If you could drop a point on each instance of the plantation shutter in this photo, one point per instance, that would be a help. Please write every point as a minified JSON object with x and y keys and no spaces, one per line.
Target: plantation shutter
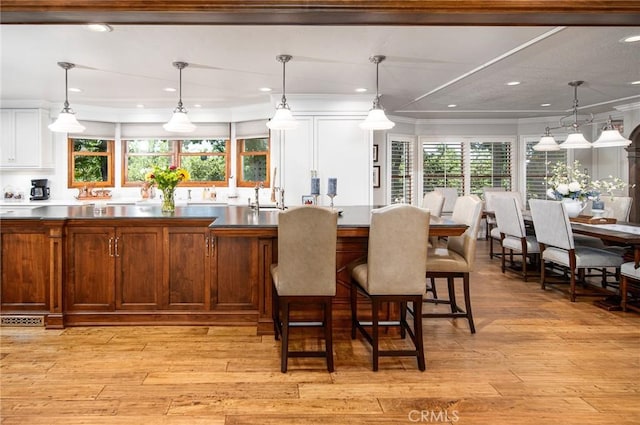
{"x":538,"y":165}
{"x":443,"y":165}
{"x":402,"y":182}
{"x":490,"y":165}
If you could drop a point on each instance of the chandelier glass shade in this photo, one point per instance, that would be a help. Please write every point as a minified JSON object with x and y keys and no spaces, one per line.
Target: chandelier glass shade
{"x":377,"y":119}
{"x":66,"y":121}
{"x":179,"y":122}
{"x":547,"y":143}
{"x":283,"y":118}
{"x":610,"y":137}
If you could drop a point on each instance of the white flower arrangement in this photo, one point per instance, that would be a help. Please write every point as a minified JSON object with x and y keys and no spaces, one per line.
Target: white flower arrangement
{"x":567,"y":181}
{"x":609,"y":185}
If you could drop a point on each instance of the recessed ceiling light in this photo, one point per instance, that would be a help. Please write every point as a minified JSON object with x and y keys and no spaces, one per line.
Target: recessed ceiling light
{"x":169,"y":89}
{"x":544,"y":105}
{"x":635,"y":83}
{"x":265,"y":89}
{"x":75,"y":90}
{"x":631,"y":39}
{"x":361,"y":90}
{"x":197,"y":105}
{"x":513,"y":83}
{"x":139,"y":105}
{"x":99,"y":27}
{"x":453,"y":105}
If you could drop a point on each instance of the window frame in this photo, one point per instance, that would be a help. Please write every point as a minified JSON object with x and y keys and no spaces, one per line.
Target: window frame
{"x":175,"y":155}
{"x":410,"y":174}
{"x":71,"y":155}
{"x":240,"y":153}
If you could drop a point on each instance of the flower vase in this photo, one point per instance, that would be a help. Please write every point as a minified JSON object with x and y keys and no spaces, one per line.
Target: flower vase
{"x":168,"y":200}
{"x":597,"y":208}
{"x":573,"y":206}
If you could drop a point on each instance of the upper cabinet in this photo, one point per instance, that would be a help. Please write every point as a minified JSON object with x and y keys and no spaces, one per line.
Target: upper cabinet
{"x":25,"y":140}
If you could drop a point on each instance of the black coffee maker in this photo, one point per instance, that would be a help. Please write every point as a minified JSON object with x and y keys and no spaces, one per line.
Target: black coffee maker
{"x":39,"y":190}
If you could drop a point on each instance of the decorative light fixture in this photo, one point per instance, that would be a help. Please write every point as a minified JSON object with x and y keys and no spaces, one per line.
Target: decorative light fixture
{"x":547,"y":143}
{"x":66,"y":121}
{"x":610,"y":137}
{"x":179,"y":122}
{"x":575,"y":140}
{"x":377,"y":120}
{"x":283,"y":118}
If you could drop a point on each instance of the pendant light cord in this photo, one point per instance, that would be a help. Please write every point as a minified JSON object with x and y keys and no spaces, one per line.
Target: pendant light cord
{"x":66,"y":90}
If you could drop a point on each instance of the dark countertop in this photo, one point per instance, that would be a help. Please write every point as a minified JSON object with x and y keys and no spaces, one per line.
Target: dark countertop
{"x":221,"y":216}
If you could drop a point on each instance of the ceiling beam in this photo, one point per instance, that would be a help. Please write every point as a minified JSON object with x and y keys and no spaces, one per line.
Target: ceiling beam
{"x":323,"y":12}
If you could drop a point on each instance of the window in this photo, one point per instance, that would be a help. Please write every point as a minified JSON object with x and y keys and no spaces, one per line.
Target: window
{"x":442,"y":166}
{"x":490,"y":165}
{"x":207,"y":160}
{"x":253,"y":162}
{"x":90,"y":162}
{"x":402,"y":162}
{"x":537,"y":168}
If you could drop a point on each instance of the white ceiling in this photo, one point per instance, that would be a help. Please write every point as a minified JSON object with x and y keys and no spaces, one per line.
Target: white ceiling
{"x":427,"y":67}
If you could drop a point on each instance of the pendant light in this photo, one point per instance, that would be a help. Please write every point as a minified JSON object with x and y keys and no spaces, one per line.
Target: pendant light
{"x":610,"y":137}
{"x":179,"y":122}
{"x":575,"y":140}
{"x":283,"y":118}
{"x":66,"y":121}
{"x":377,"y":120}
{"x":547,"y":143}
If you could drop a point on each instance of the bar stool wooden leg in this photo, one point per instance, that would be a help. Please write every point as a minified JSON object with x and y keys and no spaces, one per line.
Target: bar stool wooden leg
{"x":328,"y":333}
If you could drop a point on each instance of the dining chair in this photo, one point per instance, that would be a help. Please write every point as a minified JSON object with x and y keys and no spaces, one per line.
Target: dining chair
{"x":394,"y":273}
{"x":629,"y":275}
{"x":510,"y":221}
{"x":490,"y":220}
{"x":457,"y":259}
{"x":493,"y":234}
{"x":434,"y":202}
{"x":450,"y":196}
{"x":557,"y":246}
{"x":305,"y":274}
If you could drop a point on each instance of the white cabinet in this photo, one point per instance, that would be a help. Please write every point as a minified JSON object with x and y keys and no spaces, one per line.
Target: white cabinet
{"x":334,"y":147}
{"x":25,"y":140}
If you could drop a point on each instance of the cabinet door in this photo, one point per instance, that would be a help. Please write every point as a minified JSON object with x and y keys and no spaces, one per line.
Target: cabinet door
{"x":20,"y":138}
{"x":25,"y":272}
{"x":235,"y":273}
{"x":186,"y":286}
{"x":90,"y":262}
{"x":138,"y":253}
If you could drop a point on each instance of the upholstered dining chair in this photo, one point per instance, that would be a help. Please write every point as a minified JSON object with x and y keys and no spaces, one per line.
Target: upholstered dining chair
{"x":494,"y":231}
{"x":618,"y":207}
{"x":434,"y":202}
{"x":629,"y":274}
{"x":305,"y":274}
{"x":510,"y":221}
{"x":393,"y":272}
{"x":555,"y":237}
{"x":450,"y":196}
{"x":457,"y":259}
{"x":490,"y":220}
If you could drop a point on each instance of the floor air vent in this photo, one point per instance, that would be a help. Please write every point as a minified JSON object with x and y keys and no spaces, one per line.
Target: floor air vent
{"x":22,"y":321}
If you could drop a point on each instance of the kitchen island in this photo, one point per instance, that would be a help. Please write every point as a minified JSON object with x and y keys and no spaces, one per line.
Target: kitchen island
{"x":133,"y":264}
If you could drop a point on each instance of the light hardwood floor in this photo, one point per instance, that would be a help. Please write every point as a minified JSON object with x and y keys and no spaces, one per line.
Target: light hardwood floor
{"x":536,"y":359}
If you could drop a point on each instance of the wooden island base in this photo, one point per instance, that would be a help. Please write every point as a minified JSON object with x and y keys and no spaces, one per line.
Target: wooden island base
{"x":139,"y":267}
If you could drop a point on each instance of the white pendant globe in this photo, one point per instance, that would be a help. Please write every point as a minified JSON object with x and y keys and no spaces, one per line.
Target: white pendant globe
{"x":66,"y":123}
{"x":546,"y":144}
{"x":377,"y":120}
{"x":179,"y":123}
{"x":575,"y":141}
{"x":611,"y":138}
{"x":282,"y":120}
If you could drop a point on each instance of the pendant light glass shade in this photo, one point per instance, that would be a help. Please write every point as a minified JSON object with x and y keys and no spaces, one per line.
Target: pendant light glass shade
{"x":66,"y":121}
{"x":610,"y":137}
{"x":179,"y":122}
{"x":376,"y":119}
{"x":283,"y":118}
{"x":547,"y":143}
{"x":575,"y":141}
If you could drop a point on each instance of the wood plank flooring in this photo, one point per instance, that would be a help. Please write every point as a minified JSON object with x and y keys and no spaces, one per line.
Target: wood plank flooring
{"x":536,"y":359}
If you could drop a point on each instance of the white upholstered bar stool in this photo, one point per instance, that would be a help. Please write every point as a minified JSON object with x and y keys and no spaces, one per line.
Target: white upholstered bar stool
{"x":629,"y":275}
{"x":555,"y":237}
{"x":305,"y":274}
{"x":457,"y":259}
{"x":510,"y":221}
{"x":393,"y":272}
{"x":434,"y":202}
